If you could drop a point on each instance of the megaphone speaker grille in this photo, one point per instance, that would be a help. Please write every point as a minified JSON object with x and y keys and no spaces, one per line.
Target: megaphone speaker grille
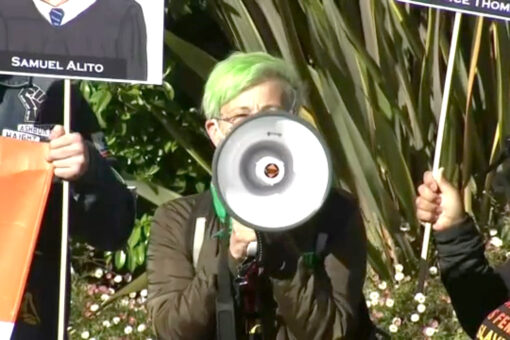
{"x":272,"y":172}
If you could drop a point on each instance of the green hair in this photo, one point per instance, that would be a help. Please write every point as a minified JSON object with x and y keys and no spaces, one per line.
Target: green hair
{"x":241,"y":71}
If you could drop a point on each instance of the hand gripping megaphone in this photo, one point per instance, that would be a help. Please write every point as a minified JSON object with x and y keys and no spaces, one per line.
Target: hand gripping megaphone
{"x":272,"y":172}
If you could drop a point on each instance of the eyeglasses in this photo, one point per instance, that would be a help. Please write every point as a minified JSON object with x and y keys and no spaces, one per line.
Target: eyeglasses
{"x":238,"y":118}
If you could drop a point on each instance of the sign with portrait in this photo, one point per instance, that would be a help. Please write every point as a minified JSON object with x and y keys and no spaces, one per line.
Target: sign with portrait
{"x":111,"y":40}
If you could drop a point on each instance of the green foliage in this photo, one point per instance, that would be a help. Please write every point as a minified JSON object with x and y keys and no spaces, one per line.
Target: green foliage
{"x":374,"y":72}
{"x":159,"y":147}
{"x":151,"y":136}
{"x":133,"y":255}
{"x":179,"y":8}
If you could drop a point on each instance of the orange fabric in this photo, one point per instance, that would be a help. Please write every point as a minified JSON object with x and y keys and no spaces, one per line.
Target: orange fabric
{"x":25,"y":180}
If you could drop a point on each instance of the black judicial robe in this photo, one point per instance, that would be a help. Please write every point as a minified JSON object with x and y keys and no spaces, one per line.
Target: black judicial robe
{"x":107,"y":29}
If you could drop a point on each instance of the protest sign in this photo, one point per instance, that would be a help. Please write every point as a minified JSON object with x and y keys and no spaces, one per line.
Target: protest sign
{"x":497,"y":9}
{"x":25,"y":179}
{"x":111,"y":40}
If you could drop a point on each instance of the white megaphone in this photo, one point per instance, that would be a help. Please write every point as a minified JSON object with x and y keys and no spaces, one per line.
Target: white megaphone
{"x":272,"y":172}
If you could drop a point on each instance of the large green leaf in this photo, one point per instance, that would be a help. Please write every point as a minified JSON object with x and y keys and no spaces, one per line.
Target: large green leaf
{"x":195,"y":58}
{"x":242,"y":28}
{"x":153,"y":193}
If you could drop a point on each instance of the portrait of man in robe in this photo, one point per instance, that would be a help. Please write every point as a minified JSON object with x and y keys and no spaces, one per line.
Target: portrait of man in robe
{"x":87,"y":38}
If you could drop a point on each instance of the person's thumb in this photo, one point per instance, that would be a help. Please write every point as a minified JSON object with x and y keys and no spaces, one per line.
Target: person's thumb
{"x":57,"y":131}
{"x":444,"y":186}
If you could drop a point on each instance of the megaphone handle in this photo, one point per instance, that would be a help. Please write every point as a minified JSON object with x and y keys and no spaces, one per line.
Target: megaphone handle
{"x":251,"y":250}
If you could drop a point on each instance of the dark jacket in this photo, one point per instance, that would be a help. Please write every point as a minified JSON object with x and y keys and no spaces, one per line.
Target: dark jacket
{"x":309,"y":306}
{"x":101,"y":207}
{"x":475,"y":288}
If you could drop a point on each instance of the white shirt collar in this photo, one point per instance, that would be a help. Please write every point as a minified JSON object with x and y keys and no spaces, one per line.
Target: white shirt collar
{"x":71,"y":8}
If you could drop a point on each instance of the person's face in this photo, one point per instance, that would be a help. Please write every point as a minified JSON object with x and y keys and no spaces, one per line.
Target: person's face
{"x":269,"y":94}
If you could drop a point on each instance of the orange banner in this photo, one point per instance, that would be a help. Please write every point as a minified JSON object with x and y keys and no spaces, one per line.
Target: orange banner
{"x":25,"y":181}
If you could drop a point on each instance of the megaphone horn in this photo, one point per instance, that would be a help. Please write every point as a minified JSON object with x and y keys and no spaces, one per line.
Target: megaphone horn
{"x":272,"y":172}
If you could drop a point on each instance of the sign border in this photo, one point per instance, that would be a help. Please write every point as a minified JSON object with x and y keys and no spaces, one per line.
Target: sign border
{"x":455,"y":9}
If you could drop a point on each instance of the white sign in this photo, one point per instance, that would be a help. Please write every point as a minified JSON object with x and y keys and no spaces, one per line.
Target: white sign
{"x":111,"y":40}
{"x":497,"y":9}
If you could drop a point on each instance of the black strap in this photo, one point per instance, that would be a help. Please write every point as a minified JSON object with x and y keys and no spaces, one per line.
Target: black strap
{"x":226,"y":328}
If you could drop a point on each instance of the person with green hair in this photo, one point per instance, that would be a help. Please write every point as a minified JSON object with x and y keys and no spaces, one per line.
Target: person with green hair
{"x":301,"y":299}
{"x":242,"y":71}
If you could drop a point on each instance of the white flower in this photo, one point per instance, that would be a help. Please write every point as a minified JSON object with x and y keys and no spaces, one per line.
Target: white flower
{"x":415,"y":317}
{"x":393,"y":328}
{"x":390,"y":302}
{"x":141,"y":327}
{"x":399,"y":276}
{"x":106,"y":323}
{"x":369,"y":304}
{"x":128,"y":330}
{"x":104,"y":297}
{"x":399,"y":268}
{"x":98,"y":273}
{"x":85,"y":335}
{"x":419,"y":297}
{"x":493,"y":232}
{"x":421,"y":308}
{"x":132,"y":295}
{"x":143,"y":293}
{"x":430,"y":331}
{"x":396,"y":321}
{"x":433,"y":270}
{"x":496,"y":242}
{"x":124,"y":302}
{"x":116,"y":320}
{"x":117,"y":278}
{"x":94,"y":307}
{"x":374,"y":296}
{"x":383,"y":285}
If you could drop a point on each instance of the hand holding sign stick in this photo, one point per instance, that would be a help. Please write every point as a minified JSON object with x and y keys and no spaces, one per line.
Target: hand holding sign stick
{"x":439,"y":145}
{"x":489,"y":8}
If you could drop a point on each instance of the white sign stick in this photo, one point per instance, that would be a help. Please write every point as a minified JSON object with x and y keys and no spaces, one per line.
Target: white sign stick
{"x":439,"y":142}
{"x":65,"y":222}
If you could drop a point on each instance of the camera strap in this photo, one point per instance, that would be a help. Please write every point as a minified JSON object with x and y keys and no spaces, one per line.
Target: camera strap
{"x":226,"y":326}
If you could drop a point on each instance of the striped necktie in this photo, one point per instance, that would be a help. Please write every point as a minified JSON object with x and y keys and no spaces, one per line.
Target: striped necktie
{"x":56,"y":16}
